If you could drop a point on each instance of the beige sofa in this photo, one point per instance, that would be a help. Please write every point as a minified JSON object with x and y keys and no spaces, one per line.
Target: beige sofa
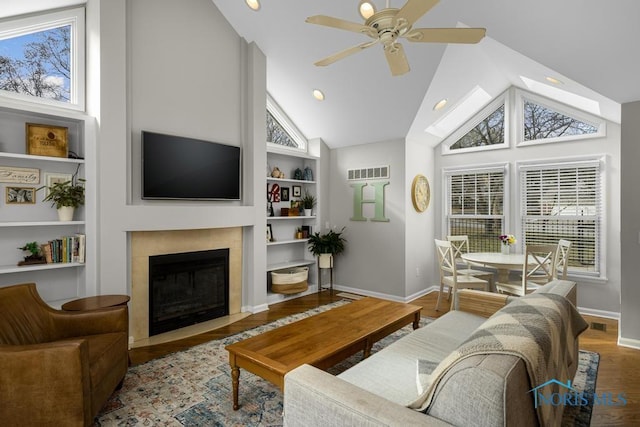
{"x":480,"y":390}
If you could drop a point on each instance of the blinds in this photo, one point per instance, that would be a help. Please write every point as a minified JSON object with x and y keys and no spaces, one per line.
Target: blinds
{"x":564,"y":201}
{"x":475,"y":207}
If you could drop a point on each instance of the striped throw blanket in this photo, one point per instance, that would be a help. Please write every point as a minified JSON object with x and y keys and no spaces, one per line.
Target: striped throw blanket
{"x":540,"y":328}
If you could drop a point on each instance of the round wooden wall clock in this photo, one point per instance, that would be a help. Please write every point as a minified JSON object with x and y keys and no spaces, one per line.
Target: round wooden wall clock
{"x":420,"y":193}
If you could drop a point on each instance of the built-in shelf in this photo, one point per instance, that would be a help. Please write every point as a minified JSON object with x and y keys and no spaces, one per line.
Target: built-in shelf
{"x":286,"y":242}
{"x":290,"y":181}
{"x":45,"y":158}
{"x":270,"y":218}
{"x":290,"y":264}
{"x":5,"y":269}
{"x":39,"y":223}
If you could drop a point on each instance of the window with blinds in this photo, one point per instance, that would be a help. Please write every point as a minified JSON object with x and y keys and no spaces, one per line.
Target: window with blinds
{"x":475,"y":207}
{"x":564,"y":201}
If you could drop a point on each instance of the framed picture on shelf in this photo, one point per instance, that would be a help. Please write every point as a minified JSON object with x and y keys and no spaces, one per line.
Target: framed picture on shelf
{"x":284,"y":194}
{"x":20,"y":195}
{"x":296,"y":191}
{"x":51,"y":178}
{"x":269,"y":233}
{"x":47,"y":140}
{"x":17,"y":175}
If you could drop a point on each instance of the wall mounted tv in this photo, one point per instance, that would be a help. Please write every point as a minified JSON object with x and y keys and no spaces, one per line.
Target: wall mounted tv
{"x":175,"y":167}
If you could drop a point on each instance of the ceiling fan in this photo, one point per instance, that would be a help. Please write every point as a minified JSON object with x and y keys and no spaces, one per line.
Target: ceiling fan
{"x":388,"y":25}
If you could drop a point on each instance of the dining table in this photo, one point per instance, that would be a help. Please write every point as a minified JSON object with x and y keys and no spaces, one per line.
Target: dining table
{"x":503,"y":263}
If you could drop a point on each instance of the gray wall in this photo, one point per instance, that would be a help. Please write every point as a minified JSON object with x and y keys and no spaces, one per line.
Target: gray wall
{"x":374,"y":260}
{"x":139,"y":81}
{"x":630,"y":229}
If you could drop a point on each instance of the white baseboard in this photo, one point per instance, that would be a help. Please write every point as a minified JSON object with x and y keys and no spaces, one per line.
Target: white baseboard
{"x":599,"y":313}
{"x":383,"y":295}
{"x":628,"y":342}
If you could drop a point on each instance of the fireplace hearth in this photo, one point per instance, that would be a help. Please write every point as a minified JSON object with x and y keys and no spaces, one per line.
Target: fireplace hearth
{"x":187,"y":288}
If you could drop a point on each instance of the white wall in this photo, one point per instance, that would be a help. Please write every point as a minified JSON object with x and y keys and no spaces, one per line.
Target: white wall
{"x":177,"y":70}
{"x":597,"y":297}
{"x":630,"y":229}
{"x":374,"y":260}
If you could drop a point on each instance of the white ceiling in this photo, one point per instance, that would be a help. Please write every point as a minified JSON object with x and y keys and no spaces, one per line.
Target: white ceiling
{"x":588,"y":44}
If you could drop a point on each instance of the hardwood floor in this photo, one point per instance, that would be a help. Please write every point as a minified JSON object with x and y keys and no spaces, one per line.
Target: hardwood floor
{"x":617,"y":373}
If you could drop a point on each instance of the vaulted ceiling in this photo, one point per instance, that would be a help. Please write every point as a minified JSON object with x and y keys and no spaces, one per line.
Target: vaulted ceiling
{"x":587,"y":44}
{"x":590,"y":45}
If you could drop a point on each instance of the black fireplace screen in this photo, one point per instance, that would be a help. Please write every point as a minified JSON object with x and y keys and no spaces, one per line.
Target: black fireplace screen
{"x":187,"y":288}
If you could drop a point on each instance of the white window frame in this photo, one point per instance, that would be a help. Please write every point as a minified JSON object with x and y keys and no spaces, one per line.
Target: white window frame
{"x":521,"y":96}
{"x":288,"y":126}
{"x":600,"y":160}
{"x":74,"y":17}
{"x":475,"y":120}
{"x":475,"y":169}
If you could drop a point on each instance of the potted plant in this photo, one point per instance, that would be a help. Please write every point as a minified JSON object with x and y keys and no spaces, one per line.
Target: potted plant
{"x":325,"y":246}
{"x":66,"y":196}
{"x":34,"y":257}
{"x":308,"y":202}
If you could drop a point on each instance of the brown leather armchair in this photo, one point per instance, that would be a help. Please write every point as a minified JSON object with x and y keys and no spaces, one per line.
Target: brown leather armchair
{"x":57,"y":367}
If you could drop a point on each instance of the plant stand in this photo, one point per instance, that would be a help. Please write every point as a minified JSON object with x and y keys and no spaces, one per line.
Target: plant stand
{"x":320,"y":277}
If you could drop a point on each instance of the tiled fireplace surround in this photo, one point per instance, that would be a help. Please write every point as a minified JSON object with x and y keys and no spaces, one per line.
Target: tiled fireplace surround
{"x":149,"y":243}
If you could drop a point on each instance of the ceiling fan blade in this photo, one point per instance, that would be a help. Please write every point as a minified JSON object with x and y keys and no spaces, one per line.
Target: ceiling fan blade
{"x":341,"y":24}
{"x":446,"y":35}
{"x":343,"y":54}
{"x":413,"y":10}
{"x":397,"y":59}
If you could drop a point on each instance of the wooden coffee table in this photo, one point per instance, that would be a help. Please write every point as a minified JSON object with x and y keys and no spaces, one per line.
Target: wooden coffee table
{"x":321,"y":340}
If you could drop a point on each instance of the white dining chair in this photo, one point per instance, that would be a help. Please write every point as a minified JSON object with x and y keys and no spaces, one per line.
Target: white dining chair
{"x":562,"y":259}
{"x":537,"y":270}
{"x":450,"y":276}
{"x":460,"y":245}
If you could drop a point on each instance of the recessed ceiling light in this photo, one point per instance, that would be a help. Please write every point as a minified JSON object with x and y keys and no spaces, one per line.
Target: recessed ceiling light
{"x":440,"y":104}
{"x":553,"y":80}
{"x":253,"y":4}
{"x":317,"y":94}
{"x":366,"y":9}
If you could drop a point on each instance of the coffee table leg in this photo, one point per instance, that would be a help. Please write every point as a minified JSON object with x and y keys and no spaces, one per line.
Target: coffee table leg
{"x":416,"y":321}
{"x":235,"y":382}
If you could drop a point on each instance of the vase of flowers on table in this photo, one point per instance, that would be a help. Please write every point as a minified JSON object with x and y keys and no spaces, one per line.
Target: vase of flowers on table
{"x":507,"y":240}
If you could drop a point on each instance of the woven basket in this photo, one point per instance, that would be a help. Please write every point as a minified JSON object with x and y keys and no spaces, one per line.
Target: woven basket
{"x":290,"y":280}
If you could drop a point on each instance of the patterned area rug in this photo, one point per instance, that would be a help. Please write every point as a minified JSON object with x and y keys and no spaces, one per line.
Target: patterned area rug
{"x":193,"y":387}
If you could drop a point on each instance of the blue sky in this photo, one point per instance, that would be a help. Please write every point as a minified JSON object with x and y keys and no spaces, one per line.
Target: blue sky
{"x":13,"y":47}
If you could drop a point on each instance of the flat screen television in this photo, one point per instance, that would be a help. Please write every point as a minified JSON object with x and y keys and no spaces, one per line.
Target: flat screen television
{"x":175,"y":167}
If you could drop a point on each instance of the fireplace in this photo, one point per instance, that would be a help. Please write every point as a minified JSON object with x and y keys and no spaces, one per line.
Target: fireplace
{"x":187,"y":288}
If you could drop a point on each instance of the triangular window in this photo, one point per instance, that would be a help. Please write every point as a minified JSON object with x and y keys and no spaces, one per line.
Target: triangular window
{"x":490,"y":131}
{"x":540,"y":122}
{"x":276,"y":133}
{"x":281,"y":131}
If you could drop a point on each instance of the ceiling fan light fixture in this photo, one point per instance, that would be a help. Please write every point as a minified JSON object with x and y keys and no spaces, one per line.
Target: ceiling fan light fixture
{"x":253,"y":4}
{"x":318,"y":94}
{"x":440,"y":104}
{"x":366,"y":9}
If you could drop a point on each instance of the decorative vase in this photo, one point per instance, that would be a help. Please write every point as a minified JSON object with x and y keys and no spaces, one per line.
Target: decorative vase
{"x":325,"y":261}
{"x":307,"y":212}
{"x":65,"y":213}
{"x":506,"y":249}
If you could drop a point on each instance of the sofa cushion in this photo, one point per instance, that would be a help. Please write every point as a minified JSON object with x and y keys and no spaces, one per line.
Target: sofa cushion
{"x":392,"y":373}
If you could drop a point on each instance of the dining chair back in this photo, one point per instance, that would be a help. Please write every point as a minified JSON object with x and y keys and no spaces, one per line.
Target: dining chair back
{"x":562,"y":259}
{"x":450,"y":276}
{"x":460,"y":246}
{"x":538,"y":269}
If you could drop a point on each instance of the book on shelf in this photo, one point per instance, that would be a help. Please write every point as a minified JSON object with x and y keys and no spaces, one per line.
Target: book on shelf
{"x":65,"y":249}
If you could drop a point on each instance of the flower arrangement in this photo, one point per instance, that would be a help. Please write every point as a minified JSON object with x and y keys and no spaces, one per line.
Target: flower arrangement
{"x":507,"y":239}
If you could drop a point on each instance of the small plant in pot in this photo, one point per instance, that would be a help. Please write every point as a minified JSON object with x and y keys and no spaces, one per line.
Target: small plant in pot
{"x":66,"y":196}
{"x":34,"y":257}
{"x":308,"y":202}
{"x":325,"y":246}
